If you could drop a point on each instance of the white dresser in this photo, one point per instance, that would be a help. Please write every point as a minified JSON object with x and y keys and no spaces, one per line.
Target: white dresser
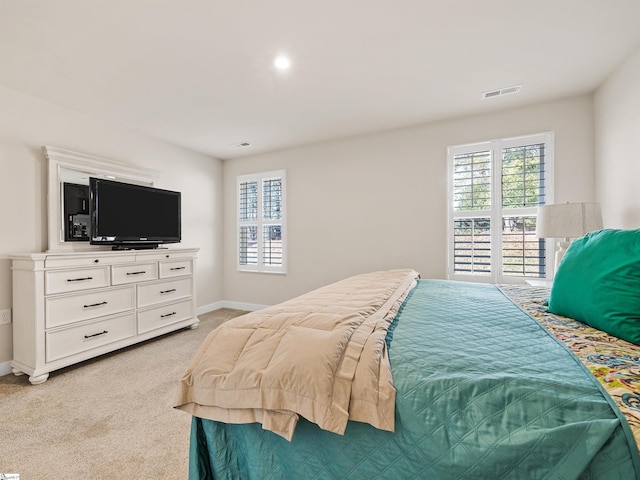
{"x":72,"y":306}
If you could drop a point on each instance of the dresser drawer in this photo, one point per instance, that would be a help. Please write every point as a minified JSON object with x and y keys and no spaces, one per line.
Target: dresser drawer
{"x":62,"y":281}
{"x":166,"y":315}
{"x":68,"y":309}
{"x":86,"y":260}
{"x":122,"y":274}
{"x":70,"y":341}
{"x":164,"y":254}
{"x":176,"y":268}
{"x":161,"y":292}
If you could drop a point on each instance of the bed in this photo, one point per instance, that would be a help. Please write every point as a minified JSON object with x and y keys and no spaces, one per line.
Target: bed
{"x":486,"y":382}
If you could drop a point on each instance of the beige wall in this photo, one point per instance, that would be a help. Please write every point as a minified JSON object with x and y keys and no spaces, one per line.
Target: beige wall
{"x":380,"y":201}
{"x":354,"y":205}
{"x":617,"y":150}
{"x":27,"y":123}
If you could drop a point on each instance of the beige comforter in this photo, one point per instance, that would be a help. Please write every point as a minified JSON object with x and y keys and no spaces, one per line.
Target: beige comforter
{"x":321,"y":355}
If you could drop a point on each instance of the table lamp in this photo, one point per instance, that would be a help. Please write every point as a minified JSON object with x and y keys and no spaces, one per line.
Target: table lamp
{"x":567,"y":221}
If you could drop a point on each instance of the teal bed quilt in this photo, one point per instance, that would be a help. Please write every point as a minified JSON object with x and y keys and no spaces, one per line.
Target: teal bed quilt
{"x":483,"y":392}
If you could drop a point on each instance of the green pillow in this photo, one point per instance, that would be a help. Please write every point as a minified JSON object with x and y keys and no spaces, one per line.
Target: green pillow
{"x":598,"y":283}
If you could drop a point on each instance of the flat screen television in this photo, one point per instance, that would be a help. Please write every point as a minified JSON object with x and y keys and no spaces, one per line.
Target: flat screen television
{"x":128,"y":216}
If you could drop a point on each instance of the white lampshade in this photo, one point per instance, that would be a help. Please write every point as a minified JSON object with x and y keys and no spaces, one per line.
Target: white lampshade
{"x":568,"y":220}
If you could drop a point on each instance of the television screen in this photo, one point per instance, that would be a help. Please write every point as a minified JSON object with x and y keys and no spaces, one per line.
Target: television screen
{"x":132,"y":216}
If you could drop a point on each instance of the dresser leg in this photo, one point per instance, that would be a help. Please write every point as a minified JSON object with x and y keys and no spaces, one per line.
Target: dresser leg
{"x":39,"y":379}
{"x":17,"y":372}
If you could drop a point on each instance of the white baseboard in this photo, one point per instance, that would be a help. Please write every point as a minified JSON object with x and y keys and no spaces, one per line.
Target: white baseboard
{"x":209,"y":308}
{"x":5,"y":368}
{"x":228,"y":304}
{"x":244,"y":306}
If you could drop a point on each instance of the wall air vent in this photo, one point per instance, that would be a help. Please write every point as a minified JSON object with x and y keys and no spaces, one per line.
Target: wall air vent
{"x":501,"y":91}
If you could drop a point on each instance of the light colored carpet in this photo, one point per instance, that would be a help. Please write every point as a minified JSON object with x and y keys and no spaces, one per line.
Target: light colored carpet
{"x":109,"y":417}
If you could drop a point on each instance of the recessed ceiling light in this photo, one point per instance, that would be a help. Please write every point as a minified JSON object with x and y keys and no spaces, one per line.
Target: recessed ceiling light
{"x":282,"y":62}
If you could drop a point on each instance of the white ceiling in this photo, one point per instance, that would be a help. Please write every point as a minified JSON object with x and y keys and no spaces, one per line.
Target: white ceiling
{"x":198,"y":73}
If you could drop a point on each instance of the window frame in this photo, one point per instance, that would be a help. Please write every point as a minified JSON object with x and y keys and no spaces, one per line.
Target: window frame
{"x":260,"y":222}
{"x":495,"y":212}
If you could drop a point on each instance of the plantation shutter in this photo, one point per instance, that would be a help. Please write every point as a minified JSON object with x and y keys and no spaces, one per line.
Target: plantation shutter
{"x":471,"y":204}
{"x":495,"y":189}
{"x":248,"y":218}
{"x":272,"y":217}
{"x":523,"y":190}
{"x":261,"y":222}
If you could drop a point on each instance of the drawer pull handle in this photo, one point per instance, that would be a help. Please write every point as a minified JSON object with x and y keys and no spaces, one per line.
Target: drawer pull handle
{"x":79,"y":279}
{"x":95,"y":304}
{"x":168,"y":291}
{"x":177,"y":268}
{"x":168,"y":315}
{"x":136,"y":273}
{"x":96,"y":334}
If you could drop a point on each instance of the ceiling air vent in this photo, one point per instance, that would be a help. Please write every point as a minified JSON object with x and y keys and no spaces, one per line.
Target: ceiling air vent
{"x":501,"y":91}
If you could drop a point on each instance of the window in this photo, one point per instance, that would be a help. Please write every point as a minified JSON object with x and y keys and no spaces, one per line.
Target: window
{"x":495,"y":189}
{"x":261,"y":222}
